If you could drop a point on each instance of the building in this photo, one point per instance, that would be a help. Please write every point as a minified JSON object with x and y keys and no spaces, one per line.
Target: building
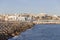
{"x":11,"y":18}
{"x":21,"y":18}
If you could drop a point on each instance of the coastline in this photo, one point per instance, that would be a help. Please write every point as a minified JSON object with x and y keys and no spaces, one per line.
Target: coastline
{"x":11,"y":29}
{"x":45,"y":22}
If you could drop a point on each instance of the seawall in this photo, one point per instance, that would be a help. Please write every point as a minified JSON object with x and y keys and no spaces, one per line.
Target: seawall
{"x":39,"y":22}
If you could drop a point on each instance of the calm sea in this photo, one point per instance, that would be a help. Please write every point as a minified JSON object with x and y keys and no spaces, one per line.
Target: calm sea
{"x":40,"y":32}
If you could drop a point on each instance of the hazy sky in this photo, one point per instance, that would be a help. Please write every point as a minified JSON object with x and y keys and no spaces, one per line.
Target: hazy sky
{"x":30,"y":6}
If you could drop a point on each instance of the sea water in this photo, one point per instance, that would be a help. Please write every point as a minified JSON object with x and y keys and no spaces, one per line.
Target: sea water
{"x":40,"y":32}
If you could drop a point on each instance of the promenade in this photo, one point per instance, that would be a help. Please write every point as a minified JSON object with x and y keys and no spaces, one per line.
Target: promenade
{"x":47,"y":22}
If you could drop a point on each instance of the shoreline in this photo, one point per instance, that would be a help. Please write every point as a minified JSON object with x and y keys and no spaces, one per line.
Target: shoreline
{"x":46,"y":22}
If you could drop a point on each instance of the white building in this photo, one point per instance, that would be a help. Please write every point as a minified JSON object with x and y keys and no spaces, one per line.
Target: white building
{"x":29,"y":18}
{"x":11,"y":18}
{"x":55,"y":16}
{"x":21,"y":18}
{"x":17,"y":18}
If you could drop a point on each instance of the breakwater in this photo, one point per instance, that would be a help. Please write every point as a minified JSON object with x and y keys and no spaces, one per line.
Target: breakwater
{"x":11,"y":29}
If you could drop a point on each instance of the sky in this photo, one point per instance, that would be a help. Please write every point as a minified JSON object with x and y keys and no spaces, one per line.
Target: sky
{"x":30,"y":6}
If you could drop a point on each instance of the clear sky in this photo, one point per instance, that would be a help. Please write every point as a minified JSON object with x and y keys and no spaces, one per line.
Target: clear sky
{"x":30,"y":6}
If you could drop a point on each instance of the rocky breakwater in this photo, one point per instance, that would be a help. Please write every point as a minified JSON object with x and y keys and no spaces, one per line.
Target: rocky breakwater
{"x":11,"y":29}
